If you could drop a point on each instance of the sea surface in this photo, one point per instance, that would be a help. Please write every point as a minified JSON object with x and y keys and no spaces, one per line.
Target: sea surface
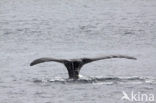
{"x":30,"y":29}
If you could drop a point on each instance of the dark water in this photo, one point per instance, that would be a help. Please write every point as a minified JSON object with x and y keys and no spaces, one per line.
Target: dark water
{"x":73,"y":29}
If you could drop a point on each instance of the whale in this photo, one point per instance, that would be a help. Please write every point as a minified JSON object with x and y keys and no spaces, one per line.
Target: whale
{"x":74,"y":65}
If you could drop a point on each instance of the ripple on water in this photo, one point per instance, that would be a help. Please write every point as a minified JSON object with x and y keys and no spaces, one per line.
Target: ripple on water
{"x":99,"y":80}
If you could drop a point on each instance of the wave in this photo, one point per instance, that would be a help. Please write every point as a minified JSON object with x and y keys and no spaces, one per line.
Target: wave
{"x":103,"y":80}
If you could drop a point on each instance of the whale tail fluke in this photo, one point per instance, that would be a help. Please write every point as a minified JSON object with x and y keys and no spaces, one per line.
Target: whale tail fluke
{"x":74,"y":65}
{"x":84,"y":60}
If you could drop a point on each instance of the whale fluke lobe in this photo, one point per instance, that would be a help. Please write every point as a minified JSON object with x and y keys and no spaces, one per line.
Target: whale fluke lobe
{"x":112,"y":56}
{"x":42,"y":60}
{"x":88,"y":60}
{"x":74,"y":65}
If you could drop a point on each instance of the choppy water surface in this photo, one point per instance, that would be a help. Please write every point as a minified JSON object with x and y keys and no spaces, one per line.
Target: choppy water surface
{"x":74,"y":29}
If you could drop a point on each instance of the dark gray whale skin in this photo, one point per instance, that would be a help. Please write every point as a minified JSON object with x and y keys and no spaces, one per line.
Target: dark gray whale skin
{"x":74,"y":65}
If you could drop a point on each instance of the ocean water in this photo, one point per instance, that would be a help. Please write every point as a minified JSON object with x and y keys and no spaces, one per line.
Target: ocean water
{"x":30,"y":29}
